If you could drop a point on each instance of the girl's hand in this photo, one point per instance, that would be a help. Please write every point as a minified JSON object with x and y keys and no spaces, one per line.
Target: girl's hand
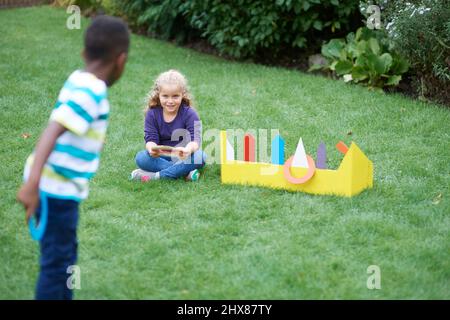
{"x":155,"y":153}
{"x":183,"y":152}
{"x":151,"y":152}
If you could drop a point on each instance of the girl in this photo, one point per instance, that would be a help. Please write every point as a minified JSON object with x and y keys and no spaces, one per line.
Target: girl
{"x":170,"y":120}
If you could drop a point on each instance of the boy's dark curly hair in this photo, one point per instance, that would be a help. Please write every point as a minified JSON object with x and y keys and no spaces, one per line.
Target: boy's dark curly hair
{"x":106,"y":38}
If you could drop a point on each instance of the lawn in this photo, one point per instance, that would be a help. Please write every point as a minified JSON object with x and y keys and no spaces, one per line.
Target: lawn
{"x":205,"y":240}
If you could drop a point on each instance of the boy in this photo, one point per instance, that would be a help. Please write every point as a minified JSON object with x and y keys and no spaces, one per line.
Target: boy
{"x":67,"y":154}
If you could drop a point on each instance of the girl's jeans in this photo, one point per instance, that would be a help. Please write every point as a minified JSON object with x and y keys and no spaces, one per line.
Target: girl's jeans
{"x":170,"y":168}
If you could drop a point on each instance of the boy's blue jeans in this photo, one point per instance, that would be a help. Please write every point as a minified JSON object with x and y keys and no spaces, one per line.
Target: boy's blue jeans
{"x":170,"y":168}
{"x":58,"y":250}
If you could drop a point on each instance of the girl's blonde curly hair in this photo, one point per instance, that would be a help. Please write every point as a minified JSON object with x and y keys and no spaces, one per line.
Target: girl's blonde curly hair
{"x":169,"y":77}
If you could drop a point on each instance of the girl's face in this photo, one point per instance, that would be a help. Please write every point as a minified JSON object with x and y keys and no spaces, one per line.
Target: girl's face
{"x":170,"y":97}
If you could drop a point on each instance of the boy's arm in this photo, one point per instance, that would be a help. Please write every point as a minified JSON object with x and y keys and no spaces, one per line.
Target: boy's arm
{"x":28,"y":194}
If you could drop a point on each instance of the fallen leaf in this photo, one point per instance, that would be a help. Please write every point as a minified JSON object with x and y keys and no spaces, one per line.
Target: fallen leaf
{"x":26,"y":135}
{"x":437,"y":199}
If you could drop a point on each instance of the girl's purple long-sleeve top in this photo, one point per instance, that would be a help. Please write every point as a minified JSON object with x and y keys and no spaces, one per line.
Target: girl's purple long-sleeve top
{"x":186,"y":127}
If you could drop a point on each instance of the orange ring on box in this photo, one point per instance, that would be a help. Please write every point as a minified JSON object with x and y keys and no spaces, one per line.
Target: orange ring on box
{"x":309,"y":174}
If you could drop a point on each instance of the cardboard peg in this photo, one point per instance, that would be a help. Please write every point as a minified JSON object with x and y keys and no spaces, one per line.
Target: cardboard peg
{"x":341,"y":146}
{"x":321,"y":162}
{"x":249,"y":148}
{"x":300,"y":156}
{"x":278,"y":150}
{"x":229,"y":151}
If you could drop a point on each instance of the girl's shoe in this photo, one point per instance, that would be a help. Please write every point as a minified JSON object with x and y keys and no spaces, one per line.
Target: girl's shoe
{"x":142,"y":175}
{"x":193,"y":176}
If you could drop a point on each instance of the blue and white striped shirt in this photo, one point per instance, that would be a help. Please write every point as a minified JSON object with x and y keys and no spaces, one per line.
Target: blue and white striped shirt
{"x":83,"y":109}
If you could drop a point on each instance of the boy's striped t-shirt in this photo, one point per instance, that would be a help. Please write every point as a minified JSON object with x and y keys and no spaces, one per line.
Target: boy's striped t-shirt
{"x":83,"y":109}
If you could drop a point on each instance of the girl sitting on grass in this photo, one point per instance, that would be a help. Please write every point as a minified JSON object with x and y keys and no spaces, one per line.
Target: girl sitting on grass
{"x":170,"y":120}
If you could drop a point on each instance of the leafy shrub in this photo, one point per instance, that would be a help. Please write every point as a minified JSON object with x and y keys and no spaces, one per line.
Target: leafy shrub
{"x":88,"y":7}
{"x":244,"y":28}
{"x":110,"y":7}
{"x":164,"y":19}
{"x":364,"y":58}
{"x":420,"y":31}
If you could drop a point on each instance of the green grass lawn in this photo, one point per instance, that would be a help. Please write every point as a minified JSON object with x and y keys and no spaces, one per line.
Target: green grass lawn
{"x":205,"y":240}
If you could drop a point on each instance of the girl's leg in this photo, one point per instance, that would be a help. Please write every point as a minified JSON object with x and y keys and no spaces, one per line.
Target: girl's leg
{"x":182,"y":168}
{"x":148,"y":163}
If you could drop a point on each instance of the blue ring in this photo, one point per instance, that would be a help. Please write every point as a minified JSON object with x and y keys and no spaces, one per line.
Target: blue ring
{"x":38,"y":231}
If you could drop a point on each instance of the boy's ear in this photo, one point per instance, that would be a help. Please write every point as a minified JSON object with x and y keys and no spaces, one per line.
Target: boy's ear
{"x":122,"y":59}
{"x":83,"y":54}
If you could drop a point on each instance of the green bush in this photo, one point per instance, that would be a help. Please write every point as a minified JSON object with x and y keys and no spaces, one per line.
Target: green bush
{"x":88,"y":7}
{"x":244,"y":28}
{"x":364,"y":58}
{"x":164,"y":19}
{"x":110,"y":7}
{"x":420,"y":31}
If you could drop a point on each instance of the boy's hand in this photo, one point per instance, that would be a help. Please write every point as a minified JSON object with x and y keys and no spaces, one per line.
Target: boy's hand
{"x":28,"y":195}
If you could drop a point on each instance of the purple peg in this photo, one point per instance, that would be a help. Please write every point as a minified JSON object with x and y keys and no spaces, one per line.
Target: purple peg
{"x":321,"y":162}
